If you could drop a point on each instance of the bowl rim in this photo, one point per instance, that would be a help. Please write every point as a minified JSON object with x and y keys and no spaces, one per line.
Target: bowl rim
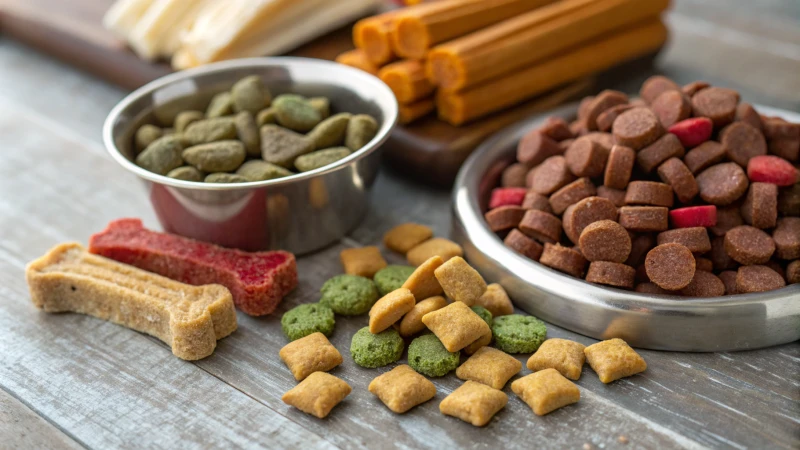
{"x":386,"y":127}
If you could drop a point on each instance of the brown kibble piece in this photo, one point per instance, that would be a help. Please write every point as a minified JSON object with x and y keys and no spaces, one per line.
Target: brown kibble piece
{"x":546,"y":391}
{"x":671,"y":107}
{"x":649,"y":193}
{"x":474,"y":403}
{"x":514,"y":175}
{"x":589,"y":210}
{"x":719,"y":256}
{"x":601,"y":102}
{"x":579,"y":127}
{"x":788,"y":149}
{"x":586,"y":157}
{"x":722,"y":184}
{"x":524,"y":245}
{"x":644,"y":218}
{"x":541,"y":226}
{"x":655,"y":86}
{"x":496,"y":301}
{"x":748,"y":245}
{"x":728,"y":278}
{"x":605,"y":240}
{"x":489,"y":366}
{"x":692,"y":88}
{"x":460,"y":281}
{"x":406,"y":236}
{"x":675,"y":173}
{"x":556,"y":129}
{"x":535,"y":147}
{"x":616,"y":196}
{"x":505,"y":217}
{"x":637,"y":128}
{"x":716,"y":103}
{"x":760,"y":207}
{"x":563,"y":259}
{"x":614,"y":359}
{"x":747,"y":114}
{"x":412,"y":321}
{"x":402,"y":388}
{"x":611,"y":273}
{"x":619,"y":167}
{"x":666,"y":147}
{"x":390,"y":309}
{"x":640,"y":245}
{"x":551,"y":175}
{"x":705,"y":264}
{"x":606,"y":119}
{"x":433,"y":247}
{"x":787,"y":238}
{"x":563,"y":355}
{"x":310,"y":354}
{"x":564,"y":145}
{"x":727,"y":218}
{"x":422,"y":282}
{"x":671,"y":266}
{"x":364,"y":261}
{"x":456,"y":325}
{"x":571,"y":194}
{"x":793,"y":272}
{"x":704,"y":284}
{"x":778,"y":128}
{"x":757,"y":279}
{"x":789,"y":201}
{"x":704,"y":156}
{"x":317,"y":394}
{"x":651,"y":288}
{"x":742,"y":142}
{"x":538,"y":201}
{"x":583,"y":106}
{"x":776,"y":266}
{"x":694,"y":238}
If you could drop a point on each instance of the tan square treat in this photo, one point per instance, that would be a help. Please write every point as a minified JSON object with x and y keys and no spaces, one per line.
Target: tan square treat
{"x":474,"y":402}
{"x":402,"y":388}
{"x":310,"y":354}
{"x":364,"y":261}
{"x":561,"y":354}
{"x":489,"y":366}
{"x":546,"y":391}
{"x":389,"y":309}
{"x":456,"y":325}
{"x":460,"y":281}
{"x":433,"y":247}
{"x":317,"y":394}
{"x":406,"y":236}
{"x":614,"y":359}
{"x":496,"y":300}
{"x":412,"y":321}
{"x":422,"y":282}
{"x":479,"y":343}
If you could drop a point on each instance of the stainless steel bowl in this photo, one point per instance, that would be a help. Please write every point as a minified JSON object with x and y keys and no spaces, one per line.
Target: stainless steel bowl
{"x":737,"y":322}
{"x":300,"y":213}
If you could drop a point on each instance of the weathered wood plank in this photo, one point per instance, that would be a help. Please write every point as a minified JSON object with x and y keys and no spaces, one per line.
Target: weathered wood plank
{"x":22,"y":428}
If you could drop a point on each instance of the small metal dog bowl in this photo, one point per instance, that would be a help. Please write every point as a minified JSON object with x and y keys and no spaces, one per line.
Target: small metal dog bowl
{"x":300,"y":213}
{"x":737,"y":322}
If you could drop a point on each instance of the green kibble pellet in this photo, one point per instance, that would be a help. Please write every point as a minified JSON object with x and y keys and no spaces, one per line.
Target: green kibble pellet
{"x":310,"y":318}
{"x":483,"y":313}
{"x":330,"y":132}
{"x":322,"y":105}
{"x":186,"y":173}
{"x":162,"y":155}
{"x":258,"y":170}
{"x":361,"y":129}
{"x":376,"y":350}
{"x":210,"y":130}
{"x":282,"y":146}
{"x":186,"y":118}
{"x":349,"y":295}
{"x":516,"y":333}
{"x":249,"y":94}
{"x":295,"y":113}
{"x":265,"y":116}
{"x":320,"y":158}
{"x":391,"y":278}
{"x":220,"y":105}
{"x":146,"y":135}
{"x":427,"y":355}
{"x":222,"y":177}
{"x":221,"y":156}
{"x":247,"y":132}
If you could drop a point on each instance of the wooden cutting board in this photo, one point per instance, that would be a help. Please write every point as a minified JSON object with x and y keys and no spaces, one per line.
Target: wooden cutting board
{"x":428,"y":149}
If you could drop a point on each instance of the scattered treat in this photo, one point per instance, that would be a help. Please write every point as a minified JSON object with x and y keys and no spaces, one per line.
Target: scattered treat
{"x":670,"y":266}
{"x":504,"y":217}
{"x":391,"y":278}
{"x":793,"y":272}
{"x":614,"y":359}
{"x":406,"y":236}
{"x":401,"y":389}
{"x":637,"y":128}
{"x":693,"y":216}
{"x":704,"y":284}
{"x":757,"y":279}
{"x":666,"y":147}
{"x":585,"y":158}
{"x":516,"y":333}
{"x":496,"y":301}
{"x":760,"y":207}
{"x":605,"y":240}
{"x":563,"y":259}
{"x":695,"y":238}
{"x":787,"y":238}
{"x":257,"y":280}
{"x":428,"y":356}
{"x":671,"y":107}
{"x":722,"y":184}
{"x":490,"y":367}
{"x":644,"y":218}
{"x":771,"y":169}
{"x":349,"y":295}
{"x":587,"y":211}
{"x":460,"y":281}
{"x":570,"y":194}
{"x":748,"y":245}
{"x":704,"y":156}
{"x":310,"y":354}
{"x":411,"y":323}
{"x":317,"y":394}
{"x":538,"y":201}
{"x":507,"y":196}
{"x":389,"y":309}
{"x":456,"y":325}
{"x":693,"y":132}
{"x":523,"y":245}
{"x":611,"y":274}
{"x":541,"y":226}
{"x":675,"y":173}
{"x":551,"y":175}
{"x":441,"y":247}
{"x":546,"y":391}
{"x":474,"y":403}
{"x":716,"y":103}
{"x":364,"y":261}
{"x":619,"y":167}
{"x":742,"y":142}
{"x":563,"y":355}
{"x":190,"y":319}
{"x":376,"y":350}
{"x":422,"y":282}
{"x":310,"y":318}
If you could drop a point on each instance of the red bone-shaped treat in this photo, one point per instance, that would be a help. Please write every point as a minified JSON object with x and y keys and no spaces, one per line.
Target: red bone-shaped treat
{"x":257,"y":280}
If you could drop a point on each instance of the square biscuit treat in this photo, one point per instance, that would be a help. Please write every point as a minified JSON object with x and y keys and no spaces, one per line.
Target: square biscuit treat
{"x":474,"y":403}
{"x":614,"y":359}
{"x":546,"y":391}
{"x":460,"y":281}
{"x":317,"y":394}
{"x":389,"y":309}
{"x":496,"y":300}
{"x":402,"y":388}
{"x":313,"y":353}
{"x":411,"y":323}
{"x":444,"y":248}
{"x":479,"y":343}
{"x":364,"y":261}
{"x":422,"y":282}
{"x":456,"y":325}
{"x":406,"y":236}
{"x":489,"y":366}
{"x":561,"y":354}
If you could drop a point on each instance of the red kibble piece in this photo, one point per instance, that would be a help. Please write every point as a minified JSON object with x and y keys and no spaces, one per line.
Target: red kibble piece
{"x":611,"y":274}
{"x":771,"y":169}
{"x":507,"y":196}
{"x":563,"y":259}
{"x":504,"y":217}
{"x":670,"y":266}
{"x":524,"y":245}
{"x":694,"y":216}
{"x":693,"y":132}
{"x":758,"y":279}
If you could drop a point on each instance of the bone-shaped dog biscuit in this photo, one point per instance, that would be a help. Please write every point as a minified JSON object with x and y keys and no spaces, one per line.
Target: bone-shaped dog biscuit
{"x":188,"y":318}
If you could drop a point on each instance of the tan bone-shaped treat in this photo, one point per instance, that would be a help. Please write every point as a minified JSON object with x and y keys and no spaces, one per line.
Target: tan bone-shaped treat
{"x":190,"y":319}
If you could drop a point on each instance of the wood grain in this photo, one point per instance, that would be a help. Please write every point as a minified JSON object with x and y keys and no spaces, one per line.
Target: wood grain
{"x":23,"y":428}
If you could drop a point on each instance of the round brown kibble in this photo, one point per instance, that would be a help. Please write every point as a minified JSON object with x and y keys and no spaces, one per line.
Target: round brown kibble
{"x":649,"y":193}
{"x":655,"y":86}
{"x":747,"y":114}
{"x":534,"y":200}
{"x":557,"y":129}
{"x":694,"y":238}
{"x":760,"y":207}
{"x":727,"y":218}
{"x":651,"y":288}
{"x":671,"y":107}
{"x":611,"y":274}
{"x":757,"y":279}
{"x":617,"y":196}
{"x":540,"y":225}
{"x":581,"y":214}
{"x":586,"y":157}
{"x":563,"y":259}
{"x":692,"y":88}
{"x":742,"y":142}
{"x":704,"y":284}
{"x":551,"y":175}
{"x":640,"y":245}
{"x":728,"y":278}
{"x":504,"y":217}
{"x":602,"y":102}
{"x":637,"y":128}
{"x":670,"y":266}
{"x":704,"y":156}
{"x":605,"y":240}
{"x":722,"y":184}
{"x":607,"y":117}
{"x":535,"y":147}
{"x":748,"y":245}
{"x":523,"y":244}
{"x":787,"y":238}
{"x":675,"y":173}
{"x":793,"y":272}
{"x":571,"y":194}
{"x":719,"y":257}
{"x":644,"y":218}
{"x":619,"y":167}
{"x":514,"y":175}
{"x":664,"y":148}
{"x":701,"y":263}
{"x":718,"y":104}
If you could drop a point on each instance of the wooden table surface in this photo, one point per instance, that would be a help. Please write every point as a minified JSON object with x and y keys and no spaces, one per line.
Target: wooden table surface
{"x":71,"y":381}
